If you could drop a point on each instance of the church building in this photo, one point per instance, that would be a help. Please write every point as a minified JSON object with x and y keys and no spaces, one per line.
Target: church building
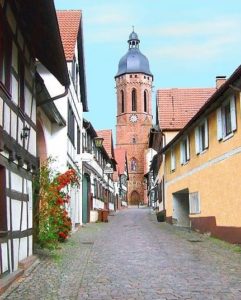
{"x":134,"y":115}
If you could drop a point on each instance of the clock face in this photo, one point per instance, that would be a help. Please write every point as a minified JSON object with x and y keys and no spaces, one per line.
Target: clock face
{"x":133,"y":118}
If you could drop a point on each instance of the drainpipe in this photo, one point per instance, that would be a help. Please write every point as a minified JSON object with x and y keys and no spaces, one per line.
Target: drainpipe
{"x":65,"y":93}
{"x":163,"y":178}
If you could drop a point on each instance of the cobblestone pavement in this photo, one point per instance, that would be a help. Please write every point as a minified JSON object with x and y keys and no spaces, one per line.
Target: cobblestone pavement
{"x":134,"y":257}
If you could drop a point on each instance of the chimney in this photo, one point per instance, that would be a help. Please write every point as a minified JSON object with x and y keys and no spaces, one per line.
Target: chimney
{"x":219,"y":81}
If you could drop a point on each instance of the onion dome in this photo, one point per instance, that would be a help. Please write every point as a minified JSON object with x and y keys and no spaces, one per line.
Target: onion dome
{"x":133,"y":61}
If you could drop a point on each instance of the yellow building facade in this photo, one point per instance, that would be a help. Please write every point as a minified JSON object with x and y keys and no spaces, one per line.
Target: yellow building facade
{"x":202,"y":164}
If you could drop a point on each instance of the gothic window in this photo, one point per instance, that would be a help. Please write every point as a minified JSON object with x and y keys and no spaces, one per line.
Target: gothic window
{"x":145,"y":101}
{"x":133,"y":164}
{"x":133,"y":97}
{"x":133,"y":140}
{"x":122,"y":102}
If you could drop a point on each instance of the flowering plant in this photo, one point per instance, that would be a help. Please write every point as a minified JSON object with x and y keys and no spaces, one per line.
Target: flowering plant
{"x":53,"y":219}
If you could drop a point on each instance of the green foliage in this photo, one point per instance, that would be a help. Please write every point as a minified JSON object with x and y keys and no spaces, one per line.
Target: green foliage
{"x":54,"y":224}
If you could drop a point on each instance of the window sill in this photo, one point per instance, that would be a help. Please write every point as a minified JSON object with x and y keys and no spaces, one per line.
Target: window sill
{"x":185,"y":163}
{"x":227,"y":137}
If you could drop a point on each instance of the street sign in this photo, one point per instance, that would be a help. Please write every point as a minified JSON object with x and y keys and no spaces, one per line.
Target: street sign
{"x":108,"y":170}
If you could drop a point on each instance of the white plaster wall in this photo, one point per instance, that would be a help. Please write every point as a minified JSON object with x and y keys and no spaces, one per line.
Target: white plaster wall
{"x":16,"y":214}
{"x":97,"y":204}
{"x":4,"y":250}
{"x":93,"y":216}
{"x":16,"y":253}
{"x":13,"y":125}
{"x":6,"y":126}
{"x":16,"y":182}
{"x":111,"y":206}
{"x":23,"y":248}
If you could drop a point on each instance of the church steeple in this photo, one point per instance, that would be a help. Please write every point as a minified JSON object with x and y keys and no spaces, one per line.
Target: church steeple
{"x":133,"y":40}
{"x":134,"y":114}
{"x":133,"y":61}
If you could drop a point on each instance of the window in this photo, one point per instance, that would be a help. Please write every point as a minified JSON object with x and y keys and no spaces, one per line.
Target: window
{"x":21,"y":85}
{"x":133,"y":140}
{"x":194,"y":203}
{"x":173,"y":161}
{"x":201,"y":137}
{"x":3,"y":204}
{"x":71,"y":124}
{"x":5,"y":53}
{"x":184,"y":151}
{"x":78,"y":140}
{"x":226,"y":119}
{"x":145,"y":101}
{"x":133,"y":164}
{"x":122,"y":102}
{"x":133,"y":97}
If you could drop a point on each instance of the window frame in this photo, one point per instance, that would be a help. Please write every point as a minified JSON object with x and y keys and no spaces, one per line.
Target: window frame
{"x":184,"y":150}
{"x":133,"y":100}
{"x":222,"y":133}
{"x":71,"y":124}
{"x":145,"y":101}
{"x":201,"y":136}
{"x":122,"y":102}
{"x":194,"y":208}
{"x":173,"y":160}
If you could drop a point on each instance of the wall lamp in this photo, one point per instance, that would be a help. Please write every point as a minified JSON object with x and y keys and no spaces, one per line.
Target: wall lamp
{"x":25,"y":132}
{"x":98,"y":142}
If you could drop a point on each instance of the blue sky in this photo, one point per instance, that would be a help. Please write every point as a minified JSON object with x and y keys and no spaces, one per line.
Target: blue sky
{"x":188,"y":43}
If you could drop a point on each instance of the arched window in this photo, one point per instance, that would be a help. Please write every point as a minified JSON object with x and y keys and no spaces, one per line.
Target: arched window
{"x":133,"y":164}
{"x":122,"y":102}
{"x":145,"y":101}
{"x":133,"y":97}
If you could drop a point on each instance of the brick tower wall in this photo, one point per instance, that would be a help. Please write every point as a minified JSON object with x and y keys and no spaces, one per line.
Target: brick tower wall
{"x":133,"y":136}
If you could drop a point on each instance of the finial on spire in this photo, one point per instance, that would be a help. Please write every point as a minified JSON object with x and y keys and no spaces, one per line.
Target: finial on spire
{"x":133,"y":28}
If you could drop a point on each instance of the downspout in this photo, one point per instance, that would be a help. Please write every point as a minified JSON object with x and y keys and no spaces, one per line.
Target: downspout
{"x":65,"y":93}
{"x":163,"y":178}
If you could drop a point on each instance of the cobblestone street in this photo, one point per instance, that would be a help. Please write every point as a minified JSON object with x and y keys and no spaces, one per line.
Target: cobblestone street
{"x":134,"y":257}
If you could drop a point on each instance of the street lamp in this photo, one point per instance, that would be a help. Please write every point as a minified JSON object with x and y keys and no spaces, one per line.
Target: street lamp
{"x":98,"y":142}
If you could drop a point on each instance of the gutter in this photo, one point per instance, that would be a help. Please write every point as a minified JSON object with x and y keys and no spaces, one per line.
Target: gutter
{"x":47,"y":101}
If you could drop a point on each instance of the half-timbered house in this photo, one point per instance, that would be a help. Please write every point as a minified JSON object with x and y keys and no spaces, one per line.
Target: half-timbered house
{"x":28,"y":31}
{"x":60,"y":122}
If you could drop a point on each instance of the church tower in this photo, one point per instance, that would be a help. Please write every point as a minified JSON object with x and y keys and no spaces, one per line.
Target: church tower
{"x":134,"y":114}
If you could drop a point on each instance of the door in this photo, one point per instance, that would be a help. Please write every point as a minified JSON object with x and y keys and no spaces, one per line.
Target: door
{"x":135,"y":198}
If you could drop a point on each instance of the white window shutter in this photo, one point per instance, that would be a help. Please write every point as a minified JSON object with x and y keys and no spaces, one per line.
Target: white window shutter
{"x":219,"y":124}
{"x":173,"y":161}
{"x":181,"y":153}
{"x":188,"y":148}
{"x":233,"y":114}
{"x":197,"y":140}
{"x":206,"y":133}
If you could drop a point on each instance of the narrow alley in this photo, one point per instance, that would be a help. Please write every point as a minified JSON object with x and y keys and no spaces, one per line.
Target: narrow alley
{"x":134,"y":257}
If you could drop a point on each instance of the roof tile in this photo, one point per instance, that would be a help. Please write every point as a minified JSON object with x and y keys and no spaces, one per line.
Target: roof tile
{"x":177,"y":106}
{"x":69,"y":22}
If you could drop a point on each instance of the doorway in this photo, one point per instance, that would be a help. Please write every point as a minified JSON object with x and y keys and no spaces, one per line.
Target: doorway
{"x":85,"y":198}
{"x":181,"y":208}
{"x":135,"y":198}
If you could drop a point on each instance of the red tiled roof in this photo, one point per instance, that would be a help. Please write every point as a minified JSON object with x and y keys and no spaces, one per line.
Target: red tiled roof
{"x":120,"y":157}
{"x":108,"y":141}
{"x":177,"y":106}
{"x":69,"y":22}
